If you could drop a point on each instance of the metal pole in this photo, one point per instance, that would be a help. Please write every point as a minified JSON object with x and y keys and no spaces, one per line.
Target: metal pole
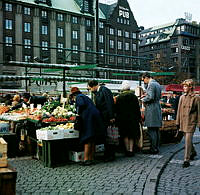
{"x":97,"y":34}
{"x":26,"y":81}
{"x":64,"y":90}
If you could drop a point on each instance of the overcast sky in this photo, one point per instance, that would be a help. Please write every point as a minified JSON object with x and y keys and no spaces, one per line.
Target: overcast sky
{"x":150,"y":13}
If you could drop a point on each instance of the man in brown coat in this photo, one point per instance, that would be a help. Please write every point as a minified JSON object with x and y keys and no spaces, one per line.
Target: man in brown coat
{"x":188,"y":118}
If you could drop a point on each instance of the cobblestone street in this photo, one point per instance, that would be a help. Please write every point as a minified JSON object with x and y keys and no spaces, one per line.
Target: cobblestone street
{"x":135,"y":175}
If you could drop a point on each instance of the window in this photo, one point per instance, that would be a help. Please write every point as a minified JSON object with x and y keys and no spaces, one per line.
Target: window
{"x":27,"y":58}
{"x":111,"y":59}
{"x":8,"y":40}
{"x":60,"y":32}
{"x":100,"y":38}
{"x":74,"y":34}
{"x":60,"y":45}
{"x":74,"y":20}
{"x":88,"y":37}
{"x":111,"y":44}
{"x":8,"y":24}
{"x":126,"y":46}
{"x":44,"y":14}
{"x":60,"y":17}
{"x":119,"y":33}
{"x":134,"y":35}
{"x":119,"y":60}
{"x":44,"y":45}
{"x":75,"y":47}
{"x":128,"y":22}
{"x":118,"y":20}
{"x":8,"y":7}
{"x":102,"y":51}
{"x":124,"y":21}
{"x":27,"y":42}
{"x":27,"y":11}
{"x":119,"y":45}
{"x":88,"y":22}
{"x":127,"y":60}
{"x":44,"y":30}
{"x":126,"y":34}
{"x":182,"y":28}
{"x":111,"y":31}
{"x":134,"y":47}
{"x":101,"y":25}
{"x":27,"y":27}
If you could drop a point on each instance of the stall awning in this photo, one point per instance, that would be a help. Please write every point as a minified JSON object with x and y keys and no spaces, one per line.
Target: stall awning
{"x":176,"y":87}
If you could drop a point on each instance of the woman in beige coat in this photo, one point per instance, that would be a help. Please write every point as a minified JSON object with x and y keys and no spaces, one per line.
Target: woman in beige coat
{"x":188,"y":118}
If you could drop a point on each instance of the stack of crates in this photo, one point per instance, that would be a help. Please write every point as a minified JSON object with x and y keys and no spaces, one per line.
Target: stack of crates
{"x":3,"y":153}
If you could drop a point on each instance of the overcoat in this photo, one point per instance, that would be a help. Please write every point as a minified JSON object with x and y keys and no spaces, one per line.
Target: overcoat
{"x":105,"y":104}
{"x":188,"y":114}
{"x":91,"y":120}
{"x":128,"y":114}
{"x":153,"y":115}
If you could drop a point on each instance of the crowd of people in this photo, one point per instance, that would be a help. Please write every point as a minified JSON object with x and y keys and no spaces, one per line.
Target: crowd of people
{"x":103,"y":110}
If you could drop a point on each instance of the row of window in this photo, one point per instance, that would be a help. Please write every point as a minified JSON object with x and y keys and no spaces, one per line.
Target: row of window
{"x":27,"y":43}
{"x":120,"y":33}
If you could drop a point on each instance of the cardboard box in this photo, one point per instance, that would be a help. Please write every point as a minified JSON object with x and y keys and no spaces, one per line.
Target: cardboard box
{"x":76,"y":156}
{"x":49,"y":134}
{"x":71,"y":133}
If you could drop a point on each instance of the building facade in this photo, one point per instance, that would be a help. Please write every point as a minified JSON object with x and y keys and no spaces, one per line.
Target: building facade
{"x":173,"y":47}
{"x":64,"y":32}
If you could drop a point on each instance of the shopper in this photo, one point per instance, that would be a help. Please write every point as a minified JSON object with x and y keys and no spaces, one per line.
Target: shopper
{"x":104,"y":102}
{"x":16,"y":100}
{"x":128,"y":117}
{"x":153,"y":115}
{"x":91,"y":126}
{"x":188,"y":118}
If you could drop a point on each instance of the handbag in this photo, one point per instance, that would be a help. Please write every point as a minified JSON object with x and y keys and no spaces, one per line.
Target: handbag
{"x":112,"y":135}
{"x":78,"y":123}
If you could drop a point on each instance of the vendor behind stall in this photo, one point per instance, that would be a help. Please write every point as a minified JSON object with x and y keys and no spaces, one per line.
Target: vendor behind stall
{"x":28,"y":99}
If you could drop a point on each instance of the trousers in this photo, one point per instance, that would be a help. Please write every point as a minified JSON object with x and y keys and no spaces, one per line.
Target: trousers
{"x":188,"y":146}
{"x":154,"y":135}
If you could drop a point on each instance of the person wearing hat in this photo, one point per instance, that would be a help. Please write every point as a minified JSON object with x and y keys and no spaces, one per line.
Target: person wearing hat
{"x":128,"y":117}
{"x":91,"y":126}
{"x":188,"y":118}
{"x":152,"y":113}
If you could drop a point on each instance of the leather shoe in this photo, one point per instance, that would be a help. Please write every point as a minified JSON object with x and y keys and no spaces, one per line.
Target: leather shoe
{"x":186,"y":164}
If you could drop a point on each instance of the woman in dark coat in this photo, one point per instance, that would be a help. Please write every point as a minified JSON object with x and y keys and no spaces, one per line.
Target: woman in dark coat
{"x":92,"y":125}
{"x":128,"y":117}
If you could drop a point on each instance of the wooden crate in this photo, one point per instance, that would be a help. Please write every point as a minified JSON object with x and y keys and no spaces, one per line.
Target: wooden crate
{"x":8,"y":178}
{"x":3,"y":153}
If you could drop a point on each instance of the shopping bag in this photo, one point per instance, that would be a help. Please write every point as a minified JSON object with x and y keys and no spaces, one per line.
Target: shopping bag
{"x":113,"y":135}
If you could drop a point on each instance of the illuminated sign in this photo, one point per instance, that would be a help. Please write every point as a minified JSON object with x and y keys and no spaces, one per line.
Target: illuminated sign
{"x":124,"y":12}
{"x":185,"y":47}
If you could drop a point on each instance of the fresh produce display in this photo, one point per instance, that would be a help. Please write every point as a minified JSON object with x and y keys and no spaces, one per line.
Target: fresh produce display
{"x":66,"y":126}
{"x":3,"y":109}
{"x":50,"y":106}
{"x":53,"y":119}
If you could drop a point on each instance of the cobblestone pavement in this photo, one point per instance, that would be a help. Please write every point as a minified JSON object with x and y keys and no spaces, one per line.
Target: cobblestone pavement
{"x":177,"y":180}
{"x":133,"y":175}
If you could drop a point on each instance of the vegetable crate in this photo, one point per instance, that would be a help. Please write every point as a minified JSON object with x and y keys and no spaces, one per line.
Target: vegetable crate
{"x":3,"y":153}
{"x":49,"y":134}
